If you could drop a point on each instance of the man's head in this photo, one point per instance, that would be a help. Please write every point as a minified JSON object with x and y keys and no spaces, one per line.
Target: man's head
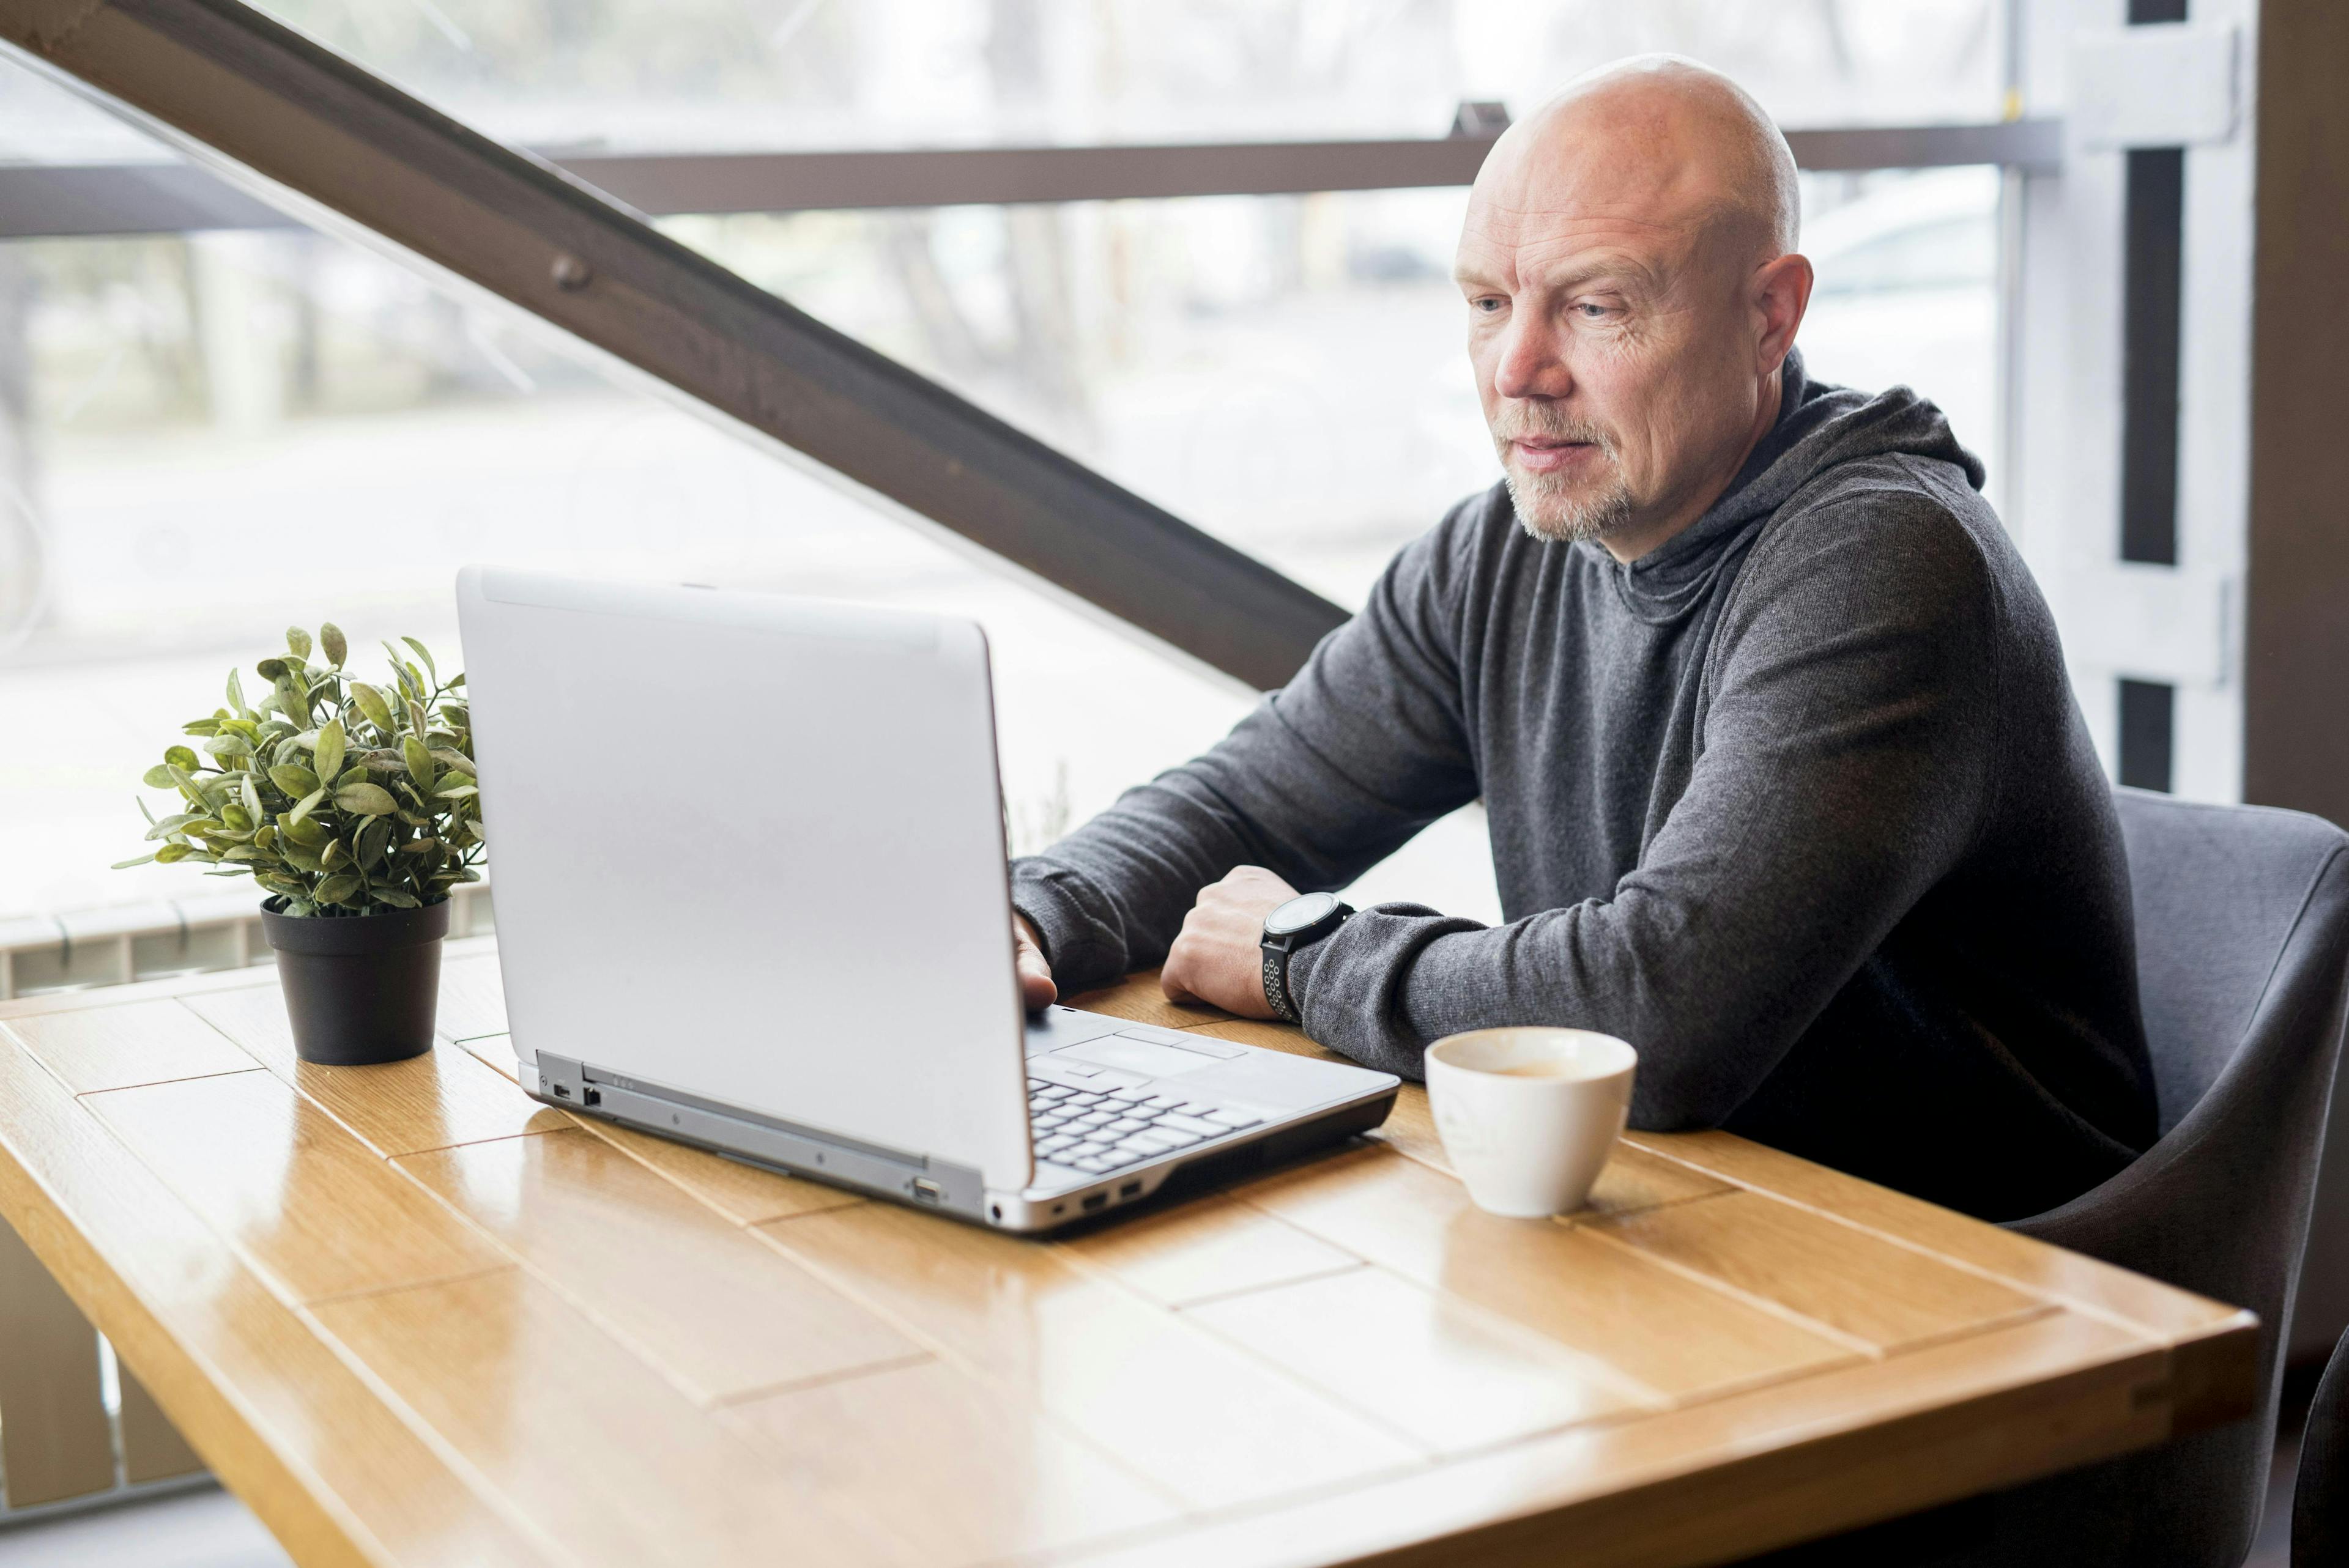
{"x":1632,"y":289}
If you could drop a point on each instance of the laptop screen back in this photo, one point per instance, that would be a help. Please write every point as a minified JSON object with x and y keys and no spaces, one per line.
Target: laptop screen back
{"x":751,"y":848}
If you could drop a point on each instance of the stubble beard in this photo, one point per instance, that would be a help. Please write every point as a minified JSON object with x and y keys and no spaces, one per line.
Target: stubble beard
{"x":1551,"y":506}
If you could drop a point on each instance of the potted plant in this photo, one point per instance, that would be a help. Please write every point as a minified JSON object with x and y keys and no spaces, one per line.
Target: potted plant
{"x":356,"y":809}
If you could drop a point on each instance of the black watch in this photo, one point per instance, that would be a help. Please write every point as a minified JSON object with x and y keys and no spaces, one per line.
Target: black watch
{"x":1298,"y":924}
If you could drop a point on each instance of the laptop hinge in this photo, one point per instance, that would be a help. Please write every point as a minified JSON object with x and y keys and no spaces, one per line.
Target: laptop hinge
{"x":761,"y":1140}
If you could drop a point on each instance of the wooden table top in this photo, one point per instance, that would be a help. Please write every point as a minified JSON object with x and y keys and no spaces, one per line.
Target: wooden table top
{"x":412,"y":1316}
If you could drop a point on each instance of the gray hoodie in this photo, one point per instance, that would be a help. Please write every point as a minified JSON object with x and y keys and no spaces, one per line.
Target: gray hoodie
{"x":1799,"y":804}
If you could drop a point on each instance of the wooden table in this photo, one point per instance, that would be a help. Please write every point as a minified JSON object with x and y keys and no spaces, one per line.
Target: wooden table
{"x":411,"y":1317}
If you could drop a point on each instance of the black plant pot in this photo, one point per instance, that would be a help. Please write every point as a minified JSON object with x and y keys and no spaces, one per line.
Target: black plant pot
{"x":359,"y":989}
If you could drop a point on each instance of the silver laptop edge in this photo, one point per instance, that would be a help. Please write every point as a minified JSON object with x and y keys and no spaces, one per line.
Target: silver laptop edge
{"x":748,"y":972}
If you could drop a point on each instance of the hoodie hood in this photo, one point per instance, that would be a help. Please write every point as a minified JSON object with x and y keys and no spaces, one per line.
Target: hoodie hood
{"x":1820,"y":425}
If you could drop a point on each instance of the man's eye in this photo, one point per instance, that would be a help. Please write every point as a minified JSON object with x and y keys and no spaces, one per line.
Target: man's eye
{"x":1590,"y":309}
{"x":1489,"y":304}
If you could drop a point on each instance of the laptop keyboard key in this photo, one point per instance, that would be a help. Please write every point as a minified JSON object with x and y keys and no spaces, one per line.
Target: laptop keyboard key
{"x":1164,"y":1101}
{"x":1126,"y":1125}
{"x":1091,"y":1165}
{"x":1174,"y":1121}
{"x":1234,"y":1118}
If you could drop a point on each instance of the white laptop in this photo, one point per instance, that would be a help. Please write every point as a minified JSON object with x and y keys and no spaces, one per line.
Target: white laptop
{"x":751,"y":893}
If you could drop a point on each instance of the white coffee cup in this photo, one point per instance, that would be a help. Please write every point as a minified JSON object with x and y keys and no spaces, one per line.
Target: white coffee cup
{"x":1529,"y":1116}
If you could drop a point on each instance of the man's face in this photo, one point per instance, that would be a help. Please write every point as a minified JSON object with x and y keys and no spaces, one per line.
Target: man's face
{"x":1613,"y":347}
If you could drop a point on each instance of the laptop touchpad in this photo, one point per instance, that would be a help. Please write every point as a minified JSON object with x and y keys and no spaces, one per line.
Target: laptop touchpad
{"x":1138,"y":1057}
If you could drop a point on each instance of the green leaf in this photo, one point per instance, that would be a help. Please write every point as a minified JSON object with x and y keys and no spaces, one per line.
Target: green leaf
{"x":335,"y":854}
{"x":372,"y":704}
{"x":332,"y":743}
{"x":365,"y":799}
{"x":418,"y":757}
{"x":157,"y":778}
{"x":396,"y":898}
{"x":303,"y":808}
{"x":272,"y":670}
{"x":420,"y":847}
{"x":294,"y":778}
{"x":299,"y":641}
{"x":252,"y":796}
{"x":239,"y":852}
{"x":330,"y":639}
{"x":143,"y":811}
{"x":350,"y":776}
{"x":303,"y":860}
{"x":236,"y":697}
{"x":457,"y":680}
{"x":459,"y":792}
{"x":181,"y":756}
{"x":201,"y":726}
{"x":171,"y":854}
{"x":292,"y":700}
{"x":126,"y":865}
{"x":371,"y":841}
{"x":338,"y":889}
{"x":426,"y":655}
{"x":235,"y":819}
{"x":189,"y":787}
{"x":230,"y":744}
{"x":171,"y":824}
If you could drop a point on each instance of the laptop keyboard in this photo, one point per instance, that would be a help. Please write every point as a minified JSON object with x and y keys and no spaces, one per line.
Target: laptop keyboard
{"x":1100,"y":1130}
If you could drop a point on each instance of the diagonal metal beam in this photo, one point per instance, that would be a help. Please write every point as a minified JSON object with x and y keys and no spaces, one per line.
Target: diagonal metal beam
{"x":278,"y":105}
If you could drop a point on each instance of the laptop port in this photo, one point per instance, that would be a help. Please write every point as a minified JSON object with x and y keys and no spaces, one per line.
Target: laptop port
{"x":591,"y":1095}
{"x":928,"y":1192}
{"x":562,"y":1090}
{"x":1095,"y":1202}
{"x":1129,"y":1190}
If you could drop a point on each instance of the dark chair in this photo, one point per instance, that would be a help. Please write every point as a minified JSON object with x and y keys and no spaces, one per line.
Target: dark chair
{"x":2242,"y":929}
{"x":2320,"y":1501}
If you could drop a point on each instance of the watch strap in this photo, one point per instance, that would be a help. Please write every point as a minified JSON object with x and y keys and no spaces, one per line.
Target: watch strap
{"x":1275,"y":985}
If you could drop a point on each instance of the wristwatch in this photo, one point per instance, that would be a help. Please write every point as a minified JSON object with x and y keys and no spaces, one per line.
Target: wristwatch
{"x":1298,"y":924}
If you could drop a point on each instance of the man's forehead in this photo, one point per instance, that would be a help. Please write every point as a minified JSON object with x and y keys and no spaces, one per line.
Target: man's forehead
{"x":1529,"y":243}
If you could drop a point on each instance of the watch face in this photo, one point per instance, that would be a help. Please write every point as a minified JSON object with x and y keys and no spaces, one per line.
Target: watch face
{"x":1300,"y":913}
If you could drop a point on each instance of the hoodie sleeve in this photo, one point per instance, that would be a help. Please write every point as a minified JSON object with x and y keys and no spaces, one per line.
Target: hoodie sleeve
{"x":1329,"y":775}
{"x":1846,"y":760}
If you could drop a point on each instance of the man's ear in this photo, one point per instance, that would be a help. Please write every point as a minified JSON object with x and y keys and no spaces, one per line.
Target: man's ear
{"x":1781,"y":294}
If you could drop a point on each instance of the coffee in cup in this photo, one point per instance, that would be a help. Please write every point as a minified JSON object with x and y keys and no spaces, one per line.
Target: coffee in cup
{"x":1529,"y":1115}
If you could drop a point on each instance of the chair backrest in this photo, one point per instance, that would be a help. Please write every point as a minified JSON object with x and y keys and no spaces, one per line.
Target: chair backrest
{"x":2243,"y":928}
{"x":2320,"y":1500}
{"x":2219,"y":892}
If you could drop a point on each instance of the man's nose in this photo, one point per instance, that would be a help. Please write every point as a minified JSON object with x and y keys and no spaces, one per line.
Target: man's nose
{"x":1531,"y":364}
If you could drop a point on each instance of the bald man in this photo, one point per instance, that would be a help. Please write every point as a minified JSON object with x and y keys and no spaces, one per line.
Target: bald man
{"x":1785,"y":781}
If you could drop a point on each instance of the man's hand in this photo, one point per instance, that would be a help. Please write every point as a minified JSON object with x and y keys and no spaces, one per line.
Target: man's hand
{"x":1219,"y":957}
{"x":1036,"y":988}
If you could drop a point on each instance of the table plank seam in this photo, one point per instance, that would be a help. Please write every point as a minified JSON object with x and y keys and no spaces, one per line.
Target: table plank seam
{"x":818,"y":1380}
{"x":766,"y":1231}
{"x":451,"y":1458}
{"x":363,"y":1292}
{"x":1214,"y":1297}
{"x":1778,"y":1309}
{"x":646,"y":1355}
{"x":150,"y":1322}
{"x":597,"y":1127}
{"x":2067,"y":1300}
